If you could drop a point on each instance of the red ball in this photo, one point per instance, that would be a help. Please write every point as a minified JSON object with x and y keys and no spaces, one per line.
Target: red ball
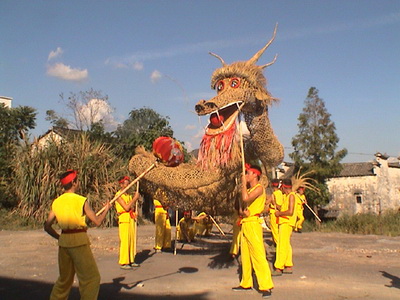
{"x":217,"y":120}
{"x":169,"y":151}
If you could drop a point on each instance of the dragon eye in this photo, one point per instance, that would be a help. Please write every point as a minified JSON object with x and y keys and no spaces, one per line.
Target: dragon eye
{"x":235,"y":82}
{"x":219,"y":86}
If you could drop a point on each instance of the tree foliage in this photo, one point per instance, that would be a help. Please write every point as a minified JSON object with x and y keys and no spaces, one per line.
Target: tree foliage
{"x":142,"y":127}
{"x":316,"y":142}
{"x":36,"y":174}
{"x":14,"y":125}
{"x":55,"y":119}
{"x":86,"y":108}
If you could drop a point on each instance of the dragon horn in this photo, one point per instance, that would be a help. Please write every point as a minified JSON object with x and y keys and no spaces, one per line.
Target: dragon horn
{"x":256,"y":56}
{"x":219,"y":57}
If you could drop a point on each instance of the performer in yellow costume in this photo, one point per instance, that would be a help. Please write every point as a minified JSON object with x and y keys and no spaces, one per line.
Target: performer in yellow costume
{"x":287,"y":220}
{"x":235,"y":245}
{"x":203,"y":225}
{"x":163,"y":224}
{"x":252,"y":244}
{"x":276,"y":203}
{"x":74,"y":253}
{"x":185,"y":230}
{"x":127,"y":219}
{"x":300,"y":201}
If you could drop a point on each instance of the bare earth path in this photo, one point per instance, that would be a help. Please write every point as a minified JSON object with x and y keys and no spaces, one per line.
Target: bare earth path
{"x":327,"y":266}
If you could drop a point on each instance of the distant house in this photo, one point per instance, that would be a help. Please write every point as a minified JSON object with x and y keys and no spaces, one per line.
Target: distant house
{"x":369,"y":187}
{"x":6,"y":100}
{"x":366,"y":187}
{"x":57,"y":135}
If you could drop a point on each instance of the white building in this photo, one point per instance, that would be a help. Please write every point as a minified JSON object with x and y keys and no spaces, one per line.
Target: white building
{"x":370,"y":187}
{"x":6,"y":100}
{"x":365,"y":187}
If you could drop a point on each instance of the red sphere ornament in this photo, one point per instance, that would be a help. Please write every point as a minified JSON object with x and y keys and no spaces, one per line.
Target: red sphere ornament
{"x":168,"y":150}
{"x":217,"y":120}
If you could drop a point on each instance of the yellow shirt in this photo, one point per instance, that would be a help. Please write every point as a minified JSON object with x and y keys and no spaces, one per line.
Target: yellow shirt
{"x":278,"y":195}
{"x":158,"y":207}
{"x":300,"y":200}
{"x":285,"y":206}
{"x":123,"y":215}
{"x":69,"y":212}
{"x":257,"y":206}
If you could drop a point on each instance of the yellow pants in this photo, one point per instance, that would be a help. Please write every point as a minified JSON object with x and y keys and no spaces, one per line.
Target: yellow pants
{"x":300,"y":220}
{"x":163,"y":231}
{"x":274,"y":226}
{"x":253,"y":256}
{"x":235,"y":238}
{"x":183,"y":231}
{"x":80,"y":260}
{"x":202,"y":229}
{"x":127,"y":242}
{"x":284,"y":248}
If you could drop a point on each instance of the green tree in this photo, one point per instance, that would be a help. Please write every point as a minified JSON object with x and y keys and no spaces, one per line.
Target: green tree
{"x":55,"y":119}
{"x":142,"y":127}
{"x":316,"y":143}
{"x":14,"y":125}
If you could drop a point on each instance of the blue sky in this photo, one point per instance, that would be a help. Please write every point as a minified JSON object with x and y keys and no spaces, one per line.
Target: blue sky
{"x":155,"y":54}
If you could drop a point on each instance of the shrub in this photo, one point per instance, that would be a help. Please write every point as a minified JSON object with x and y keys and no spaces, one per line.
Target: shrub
{"x":36,"y":175}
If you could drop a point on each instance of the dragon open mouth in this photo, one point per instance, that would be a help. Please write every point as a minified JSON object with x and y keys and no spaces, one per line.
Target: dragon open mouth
{"x":223,"y":118}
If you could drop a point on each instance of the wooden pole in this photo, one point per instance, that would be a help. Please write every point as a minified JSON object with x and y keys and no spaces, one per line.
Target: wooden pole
{"x":176,"y":230}
{"x":216,"y":225}
{"x":242,"y":156}
{"x":127,"y":188}
{"x":313,"y":212}
{"x":137,"y":216}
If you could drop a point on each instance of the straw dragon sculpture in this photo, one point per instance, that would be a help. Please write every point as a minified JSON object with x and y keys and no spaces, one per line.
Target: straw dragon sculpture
{"x":209,"y":183}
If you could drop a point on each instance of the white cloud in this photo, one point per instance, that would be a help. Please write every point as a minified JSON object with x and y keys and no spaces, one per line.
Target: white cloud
{"x":65,"y":72}
{"x":97,"y":110}
{"x":54,"y":54}
{"x":190,"y":127}
{"x":138,"y":66}
{"x":188,"y":146}
{"x":155,"y":76}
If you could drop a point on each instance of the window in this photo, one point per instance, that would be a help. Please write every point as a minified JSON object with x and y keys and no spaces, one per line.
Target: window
{"x":358,"y":195}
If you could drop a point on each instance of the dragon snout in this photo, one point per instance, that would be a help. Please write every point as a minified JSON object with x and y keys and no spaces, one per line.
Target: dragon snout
{"x":205,"y":107}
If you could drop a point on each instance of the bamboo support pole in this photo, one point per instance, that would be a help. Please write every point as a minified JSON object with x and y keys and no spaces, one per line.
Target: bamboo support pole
{"x":128,"y":187}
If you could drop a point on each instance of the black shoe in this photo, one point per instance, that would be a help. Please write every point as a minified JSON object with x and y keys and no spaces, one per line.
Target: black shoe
{"x":240,"y":289}
{"x":266,"y":294}
{"x":277,"y":272}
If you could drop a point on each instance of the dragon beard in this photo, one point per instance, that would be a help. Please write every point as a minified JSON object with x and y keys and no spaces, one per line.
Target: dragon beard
{"x":219,"y":150}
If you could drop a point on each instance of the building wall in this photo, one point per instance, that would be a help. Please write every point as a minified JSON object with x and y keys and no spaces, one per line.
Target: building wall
{"x":345,"y":191}
{"x":6,"y":100}
{"x":378,"y":192}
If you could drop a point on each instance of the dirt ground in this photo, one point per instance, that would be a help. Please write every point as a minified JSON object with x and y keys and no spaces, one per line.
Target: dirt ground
{"x":327,"y":266}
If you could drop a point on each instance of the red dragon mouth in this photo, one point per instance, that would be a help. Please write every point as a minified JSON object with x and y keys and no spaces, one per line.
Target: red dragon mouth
{"x":222,"y":119}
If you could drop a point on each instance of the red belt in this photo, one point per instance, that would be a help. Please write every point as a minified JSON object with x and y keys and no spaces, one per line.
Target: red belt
{"x":77,"y":230}
{"x":158,"y":206}
{"x":131,"y":213}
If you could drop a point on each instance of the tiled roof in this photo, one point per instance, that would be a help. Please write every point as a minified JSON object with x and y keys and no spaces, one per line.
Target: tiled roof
{"x":357,"y":169}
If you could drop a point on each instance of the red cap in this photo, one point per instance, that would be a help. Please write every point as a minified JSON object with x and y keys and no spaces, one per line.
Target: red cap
{"x":123,"y":179}
{"x":69,"y":178}
{"x":255,"y":171}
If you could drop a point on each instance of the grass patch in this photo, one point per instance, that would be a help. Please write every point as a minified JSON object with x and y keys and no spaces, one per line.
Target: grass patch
{"x":387,"y":224}
{"x":11,"y":220}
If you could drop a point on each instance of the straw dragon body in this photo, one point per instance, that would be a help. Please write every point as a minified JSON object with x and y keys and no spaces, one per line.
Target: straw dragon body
{"x":209,"y":183}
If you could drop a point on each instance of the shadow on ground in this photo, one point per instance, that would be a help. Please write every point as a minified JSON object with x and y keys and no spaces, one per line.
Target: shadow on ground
{"x":17,"y":289}
{"x":395,"y":281}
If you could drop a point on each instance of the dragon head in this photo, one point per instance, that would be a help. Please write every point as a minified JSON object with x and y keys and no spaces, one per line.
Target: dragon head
{"x":240,"y":86}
